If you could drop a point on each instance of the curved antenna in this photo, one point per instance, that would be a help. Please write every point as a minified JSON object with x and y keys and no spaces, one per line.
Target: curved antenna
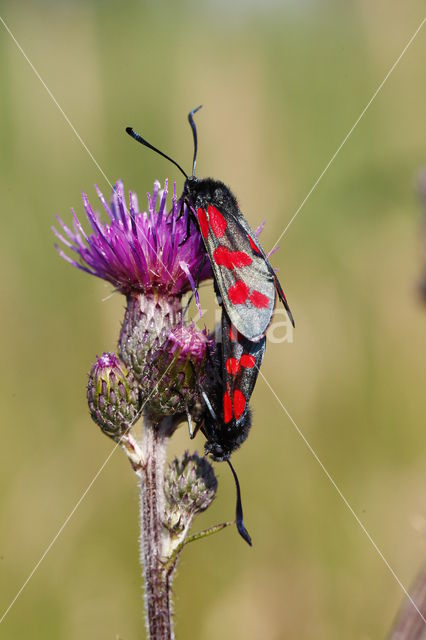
{"x":239,"y":509}
{"x":194,"y":134}
{"x":133,"y":134}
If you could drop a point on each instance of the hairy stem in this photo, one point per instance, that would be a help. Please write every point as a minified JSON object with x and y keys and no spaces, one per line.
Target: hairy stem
{"x":157,"y":579}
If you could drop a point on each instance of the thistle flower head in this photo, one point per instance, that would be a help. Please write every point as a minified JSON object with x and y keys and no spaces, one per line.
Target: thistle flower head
{"x":113,"y":395}
{"x":138,"y":252}
{"x":190,"y":487}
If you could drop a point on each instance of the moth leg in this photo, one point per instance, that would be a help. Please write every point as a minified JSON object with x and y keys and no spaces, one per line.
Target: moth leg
{"x":192,"y":430}
{"x":188,"y":230}
{"x":197,"y":283}
{"x":208,"y":404}
{"x":180,"y":214}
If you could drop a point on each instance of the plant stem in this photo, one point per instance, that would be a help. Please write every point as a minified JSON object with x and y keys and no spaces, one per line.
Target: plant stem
{"x":157,"y":579}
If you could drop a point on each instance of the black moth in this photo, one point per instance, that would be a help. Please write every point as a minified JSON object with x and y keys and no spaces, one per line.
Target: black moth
{"x":226,"y":419}
{"x":246,"y":281}
{"x":235,"y":366}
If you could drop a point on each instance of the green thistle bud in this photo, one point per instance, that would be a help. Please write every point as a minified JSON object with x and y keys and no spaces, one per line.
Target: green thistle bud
{"x":147,"y":322}
{"x":173,"y":373}
{"x":113,"y":396}
{"x":190,"y":487}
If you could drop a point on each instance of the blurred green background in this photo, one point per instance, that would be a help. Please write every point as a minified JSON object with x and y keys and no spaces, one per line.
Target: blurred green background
{"x":281,"y":83}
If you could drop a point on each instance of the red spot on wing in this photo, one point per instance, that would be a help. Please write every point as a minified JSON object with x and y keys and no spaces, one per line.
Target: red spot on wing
{"x":233,"y":333}
{"x":247,"y":361}
{"x":232,"y":366}
{"x":254,"y":246}
{"x":239,"y":404}
{"x":202,"y":221}
{"x":222,"y":257}
{"x":241,"y":259}
{"x":231,"y":259}
{"x":227,"y":407}
{"x":238,"y":293}
{"x":217,"y":222}
{"x":259,"y":300}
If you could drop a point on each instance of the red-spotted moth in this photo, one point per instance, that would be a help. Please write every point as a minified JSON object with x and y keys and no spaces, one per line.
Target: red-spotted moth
{"x":245,"y":278}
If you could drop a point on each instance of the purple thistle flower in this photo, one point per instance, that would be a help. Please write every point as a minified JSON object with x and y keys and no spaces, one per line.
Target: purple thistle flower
{"x":138,"y":252}
{"x":188,"y":343}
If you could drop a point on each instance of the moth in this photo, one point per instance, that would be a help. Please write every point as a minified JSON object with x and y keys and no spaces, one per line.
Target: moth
{"x":246,"y":280}
{"x":226,"y":420}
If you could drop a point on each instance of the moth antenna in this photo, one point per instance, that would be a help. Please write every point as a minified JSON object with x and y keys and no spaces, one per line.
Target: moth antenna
{"x":239,"y":508}
{"x":133,"y":134}
{"x":194,"y":134}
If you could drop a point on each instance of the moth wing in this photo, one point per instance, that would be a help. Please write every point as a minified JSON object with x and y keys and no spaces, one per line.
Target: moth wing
{"x":257,"y":247}
{"x":245,"y":280}
{"x":241,"y":361}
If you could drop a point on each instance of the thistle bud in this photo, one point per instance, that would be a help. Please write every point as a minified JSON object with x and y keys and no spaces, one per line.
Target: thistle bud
{"x":147,"y":322}
{"x":113,"y":396}
{"x":173,"y":373}
{"x":190,"y":487}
